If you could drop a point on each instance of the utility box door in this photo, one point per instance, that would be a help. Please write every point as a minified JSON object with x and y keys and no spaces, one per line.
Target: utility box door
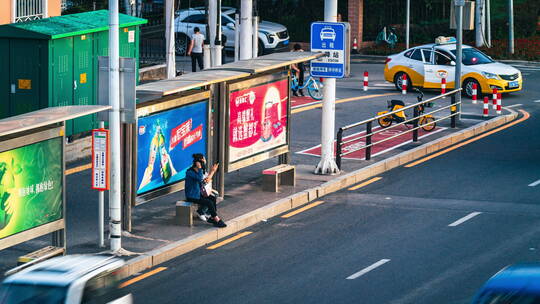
{"x":62,"y":75}
{"x":24,"y":76}
{"x":83,"y":80}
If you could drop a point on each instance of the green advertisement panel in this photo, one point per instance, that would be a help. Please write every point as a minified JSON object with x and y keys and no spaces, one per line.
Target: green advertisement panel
{"x":30,"y":186}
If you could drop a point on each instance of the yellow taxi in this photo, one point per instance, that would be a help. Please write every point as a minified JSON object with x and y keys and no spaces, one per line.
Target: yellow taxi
{"x":426,"y":65}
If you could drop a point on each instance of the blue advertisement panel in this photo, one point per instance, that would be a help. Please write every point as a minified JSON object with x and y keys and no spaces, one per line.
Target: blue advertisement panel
{"x":165,"y":143}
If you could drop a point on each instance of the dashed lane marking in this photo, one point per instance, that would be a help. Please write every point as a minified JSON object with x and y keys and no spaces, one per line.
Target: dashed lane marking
{"x":534,"y":184}
{"x":230,"y":240}
{"x":370,"y":181}
{"x":464,"y":219}
{"x":142,"y":277}
{"x":307,"y":207}
{"x":368,"y":269}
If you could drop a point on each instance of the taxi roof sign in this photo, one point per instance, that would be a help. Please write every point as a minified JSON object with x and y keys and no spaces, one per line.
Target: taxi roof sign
{"x":445,"y":40}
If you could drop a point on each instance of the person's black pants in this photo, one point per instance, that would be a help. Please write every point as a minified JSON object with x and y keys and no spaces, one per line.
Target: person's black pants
{"x":196,"y":58}
{"x":205,"y":202}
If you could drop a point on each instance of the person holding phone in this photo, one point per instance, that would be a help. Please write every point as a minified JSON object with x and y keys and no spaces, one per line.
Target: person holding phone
{"x":195,"y":193}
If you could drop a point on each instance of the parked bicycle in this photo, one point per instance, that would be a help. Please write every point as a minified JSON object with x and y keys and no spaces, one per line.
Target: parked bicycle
{"x":314,"y":87}
{"x":427,"y":122}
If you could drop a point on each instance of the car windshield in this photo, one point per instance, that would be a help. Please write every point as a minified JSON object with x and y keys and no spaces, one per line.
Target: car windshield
{"x":30,"y":294}
{"x":472,"y":56}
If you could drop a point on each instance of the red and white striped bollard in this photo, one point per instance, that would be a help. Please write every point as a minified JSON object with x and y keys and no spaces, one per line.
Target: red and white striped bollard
{"x":366,"y":75}
{"x":404,"y":84}
{"x":474,"y":93}
{"x":443,"y":86}
{"x":494,"y":101}
{"x":499,"y":103}
{"x":486,"y":106}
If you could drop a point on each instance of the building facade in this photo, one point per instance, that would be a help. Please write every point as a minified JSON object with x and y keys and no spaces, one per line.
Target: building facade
{"x":12,"y":11}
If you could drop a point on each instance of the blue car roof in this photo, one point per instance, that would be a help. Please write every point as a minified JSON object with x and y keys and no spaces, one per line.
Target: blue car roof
{"x":517,"y":278}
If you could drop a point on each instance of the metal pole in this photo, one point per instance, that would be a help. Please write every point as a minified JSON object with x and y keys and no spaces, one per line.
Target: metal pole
{"x":408,"y":21}
{"x":327,"y":165}
{"x":339,"y":148}
{"x":415,"y":124}
{"x":369,"y":130}
{"x":459,"y":46}
{"x":246,"y":29}
{"x":13,"y":10}
{"x":478,"y":24}
{"x":114,"y":125}
{"x":236,"y":37}
{"x":255,"y":36}
{"x":212,"y":29}
{"x":207,"y":54}
{"x":101,"y":208}
{"x":511,"y":26}
{"x":218,"y":44}
{"x":488,"y":22}
{"x":169,"y":38}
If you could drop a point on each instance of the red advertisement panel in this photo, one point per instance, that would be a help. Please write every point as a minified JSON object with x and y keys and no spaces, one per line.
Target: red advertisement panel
{"x":258,"y":119}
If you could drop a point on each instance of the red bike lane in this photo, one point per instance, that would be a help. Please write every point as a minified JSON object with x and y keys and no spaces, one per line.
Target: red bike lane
{"x":357,"y":143}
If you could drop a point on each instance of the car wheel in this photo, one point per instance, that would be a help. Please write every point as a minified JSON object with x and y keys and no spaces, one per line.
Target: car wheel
{"x":398,"y":80}
{"x":181,"y":44}
{"x":260,"y":48}
{"x":468,"y":87}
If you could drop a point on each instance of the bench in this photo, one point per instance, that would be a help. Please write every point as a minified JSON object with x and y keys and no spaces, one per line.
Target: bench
{"x":278,"y":175}
{"x":184,"y":213}
{"x":41,"y":254}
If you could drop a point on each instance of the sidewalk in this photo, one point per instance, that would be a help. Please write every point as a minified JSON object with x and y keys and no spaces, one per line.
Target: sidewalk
{"x":156,"y":238}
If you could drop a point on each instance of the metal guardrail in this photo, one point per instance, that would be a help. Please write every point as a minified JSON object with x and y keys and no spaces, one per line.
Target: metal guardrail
{"x":414,"y":120}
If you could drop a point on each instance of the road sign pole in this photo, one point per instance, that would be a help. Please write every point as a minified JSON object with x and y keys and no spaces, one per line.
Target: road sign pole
{"x":115,"y":195}
{"x":511,"y":26}
{"x":327,"y":165}
{"x":246,"y":29}
{"x":169,"y":38}
{"x":101,"y":208}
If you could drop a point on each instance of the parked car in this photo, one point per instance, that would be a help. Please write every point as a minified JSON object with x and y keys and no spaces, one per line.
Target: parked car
{"x":427,"y":64}
{"x":516,"y":284}
{"x":273,"y":37}
{"x":67,"y":279}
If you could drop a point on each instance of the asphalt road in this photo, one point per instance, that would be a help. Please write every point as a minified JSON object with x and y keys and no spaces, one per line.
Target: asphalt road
{"x":431,"y":233}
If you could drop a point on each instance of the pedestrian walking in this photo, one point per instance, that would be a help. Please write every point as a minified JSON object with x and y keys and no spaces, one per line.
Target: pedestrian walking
{"x":196,"y":49}
{"x":299,"y":71}
{"x":197,"y":191}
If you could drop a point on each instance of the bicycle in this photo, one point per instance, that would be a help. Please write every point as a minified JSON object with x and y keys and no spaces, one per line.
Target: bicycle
{"x":314,"y":87}
{"x":426,"y":122}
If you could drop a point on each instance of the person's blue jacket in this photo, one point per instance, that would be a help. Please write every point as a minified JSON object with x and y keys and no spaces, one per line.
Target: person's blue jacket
{"x":194,"y":182}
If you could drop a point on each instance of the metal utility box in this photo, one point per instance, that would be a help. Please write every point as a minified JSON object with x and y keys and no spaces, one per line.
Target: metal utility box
{"x":54,"y":62}
{"x":468,"y":16}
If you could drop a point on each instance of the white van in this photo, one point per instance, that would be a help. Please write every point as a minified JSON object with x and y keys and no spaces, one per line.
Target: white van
{"x":66,"y":280}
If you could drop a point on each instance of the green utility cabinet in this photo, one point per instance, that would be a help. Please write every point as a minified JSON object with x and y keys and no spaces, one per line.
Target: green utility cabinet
{"x":54,"y":62}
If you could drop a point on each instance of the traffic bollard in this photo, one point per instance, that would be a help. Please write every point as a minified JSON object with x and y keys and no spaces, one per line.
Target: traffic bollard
{"x":443,"y":86}
{"x":499,"y":103}
{"x":404,"y":84}
{"x":494,"y":101}
{"x":486,"y":106}
{"x":474,"y":93}
{"x":366,"y":75}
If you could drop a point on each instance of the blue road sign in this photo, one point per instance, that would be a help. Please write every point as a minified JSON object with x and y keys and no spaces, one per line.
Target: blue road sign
{"x":329,"y":38}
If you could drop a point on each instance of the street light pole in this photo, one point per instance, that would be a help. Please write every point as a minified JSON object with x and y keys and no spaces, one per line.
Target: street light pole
{"x":408,"y":27}
{"x":488,"y":22}
{"x":114,"y":126}
{"x":246,"y":32}
{"x":456,"y":99}
{"x":511,"y":26}
{"x":169,"y":38}
{"x":327,"y":165}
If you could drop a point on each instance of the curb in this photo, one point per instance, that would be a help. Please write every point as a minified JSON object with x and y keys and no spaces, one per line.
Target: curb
{"x":157,"y":256}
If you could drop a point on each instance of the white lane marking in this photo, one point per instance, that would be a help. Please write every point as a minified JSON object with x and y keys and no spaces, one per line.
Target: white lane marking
{"x":536,"y":183}
{"x":367,"y":269}
{"x":513,"y":106}
{"x":537,"y":101}
{"x":464,"y":219}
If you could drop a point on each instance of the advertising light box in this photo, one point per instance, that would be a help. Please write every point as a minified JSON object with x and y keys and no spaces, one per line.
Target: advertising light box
{"x":258,"y":119}
{"x":165,"y":142}
{"x":31,"y":180}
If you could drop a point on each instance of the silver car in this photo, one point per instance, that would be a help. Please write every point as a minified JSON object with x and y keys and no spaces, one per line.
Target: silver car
{"x":273,"y":37}
{"x":66,"y":280}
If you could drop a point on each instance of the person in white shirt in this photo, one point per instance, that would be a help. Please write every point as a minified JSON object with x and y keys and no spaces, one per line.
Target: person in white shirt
{"x":196,"y":49}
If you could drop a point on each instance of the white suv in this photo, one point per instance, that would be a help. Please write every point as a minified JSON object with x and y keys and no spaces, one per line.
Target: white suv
{"x":66,"y":280}
{"x":273,"y":37}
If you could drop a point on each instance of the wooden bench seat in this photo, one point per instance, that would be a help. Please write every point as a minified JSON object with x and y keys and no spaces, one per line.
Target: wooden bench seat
{"x":278,"y":175}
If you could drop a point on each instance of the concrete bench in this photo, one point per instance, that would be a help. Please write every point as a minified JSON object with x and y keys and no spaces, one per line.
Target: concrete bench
{"x":41,"y":254}
{"x":184,"y":213}
{"x":278,"y":175}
